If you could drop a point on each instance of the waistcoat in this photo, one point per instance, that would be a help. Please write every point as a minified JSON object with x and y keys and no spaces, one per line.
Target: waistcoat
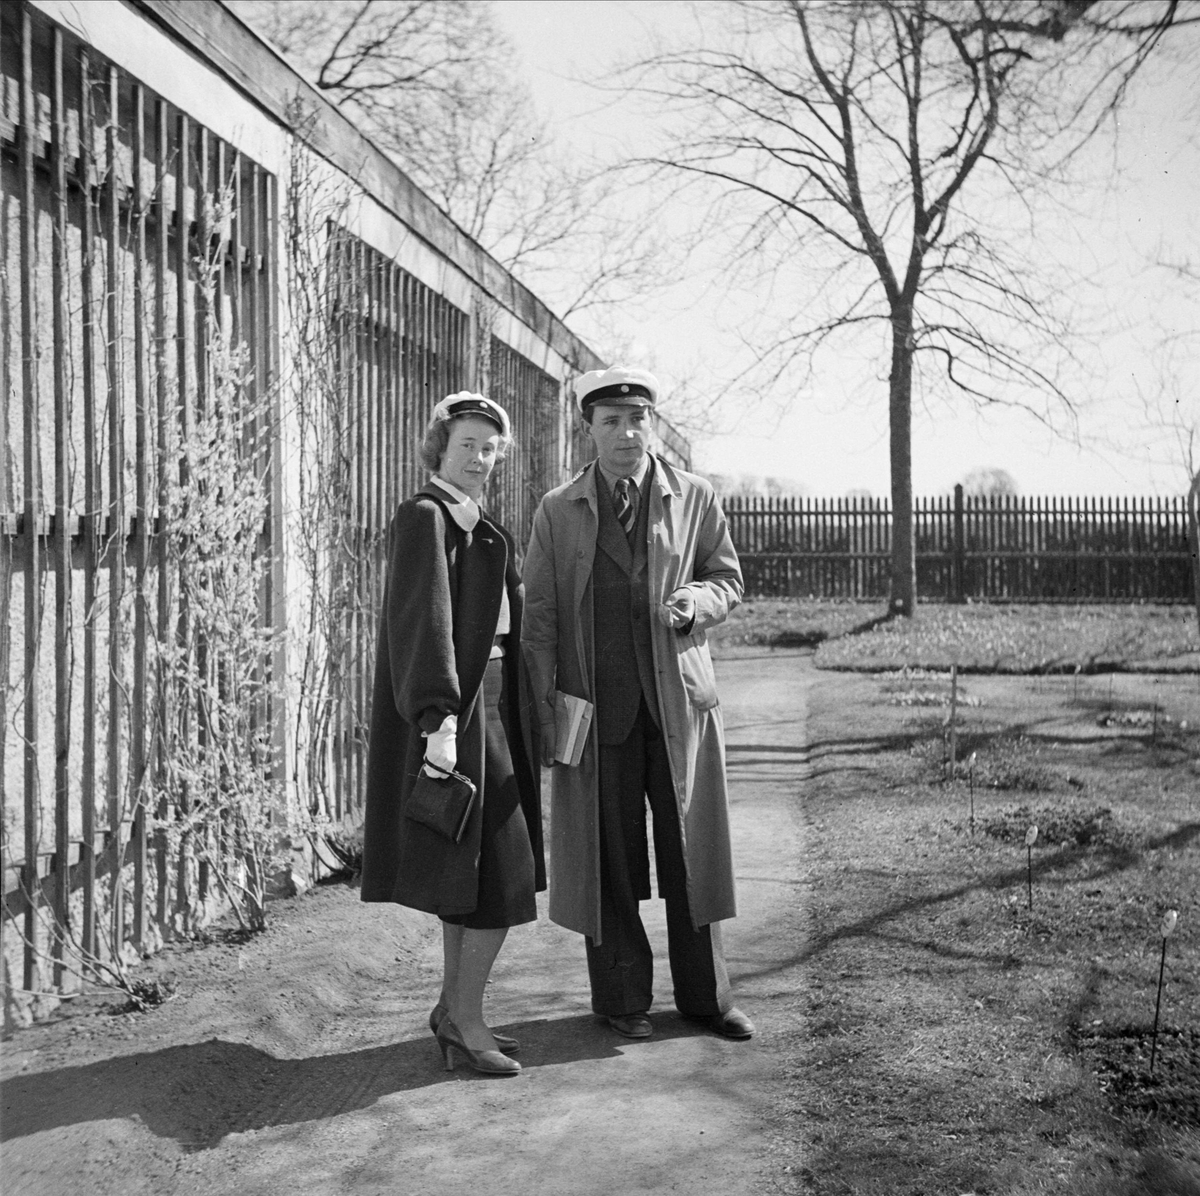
{"x":621,"y":618}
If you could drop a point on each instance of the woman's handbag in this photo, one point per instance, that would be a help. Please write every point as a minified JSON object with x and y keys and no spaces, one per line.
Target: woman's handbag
{"x":443,"y":804}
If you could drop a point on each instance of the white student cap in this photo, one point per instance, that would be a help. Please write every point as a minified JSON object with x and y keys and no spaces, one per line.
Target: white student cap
{"x":617,"y":386}
{"x":467,"y":402}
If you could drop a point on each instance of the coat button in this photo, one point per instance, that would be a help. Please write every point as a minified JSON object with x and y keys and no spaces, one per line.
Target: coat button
{"x":579,"y":554}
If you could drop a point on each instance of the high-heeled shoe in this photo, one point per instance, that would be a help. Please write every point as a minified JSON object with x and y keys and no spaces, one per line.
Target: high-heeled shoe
{"x":510,"y":1046}
{"x":491,"y":1063}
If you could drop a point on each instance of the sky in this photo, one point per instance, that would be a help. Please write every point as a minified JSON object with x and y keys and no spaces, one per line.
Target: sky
{"x":830,"y":437}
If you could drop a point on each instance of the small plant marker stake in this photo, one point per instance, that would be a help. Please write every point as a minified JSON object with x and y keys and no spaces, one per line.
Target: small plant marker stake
{"x":953,"y":719}
{"x":1030,"y":839}
{"x":971,"y":775}
{"x":1164,"y":928}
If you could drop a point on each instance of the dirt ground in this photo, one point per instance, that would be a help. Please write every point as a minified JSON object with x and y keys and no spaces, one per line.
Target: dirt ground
{"x":300,"y":1061}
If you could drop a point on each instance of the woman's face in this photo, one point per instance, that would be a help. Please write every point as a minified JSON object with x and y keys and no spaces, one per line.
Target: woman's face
{"x":470,"y":455}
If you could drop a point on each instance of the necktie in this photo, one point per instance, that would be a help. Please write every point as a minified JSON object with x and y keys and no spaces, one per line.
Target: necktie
{"x":623,"y":505}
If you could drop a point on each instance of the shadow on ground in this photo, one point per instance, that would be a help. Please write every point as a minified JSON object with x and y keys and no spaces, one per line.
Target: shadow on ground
{"x":813,"y":637}
{"x":199,"y":1093}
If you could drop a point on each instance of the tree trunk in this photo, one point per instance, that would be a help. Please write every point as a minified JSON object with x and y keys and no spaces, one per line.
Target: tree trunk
{"x":904,"y":557}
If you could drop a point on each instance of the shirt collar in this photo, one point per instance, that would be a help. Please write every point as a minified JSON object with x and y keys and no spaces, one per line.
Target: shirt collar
{"x":464,"y":510}
{"x":637,"y":477}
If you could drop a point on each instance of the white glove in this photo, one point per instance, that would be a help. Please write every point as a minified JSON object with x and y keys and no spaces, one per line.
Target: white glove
{"x":679,"y":609}
{"x":441,"y":747}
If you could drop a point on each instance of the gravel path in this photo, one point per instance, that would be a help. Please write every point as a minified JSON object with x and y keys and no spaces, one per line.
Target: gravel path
{"x":300,"y":1062}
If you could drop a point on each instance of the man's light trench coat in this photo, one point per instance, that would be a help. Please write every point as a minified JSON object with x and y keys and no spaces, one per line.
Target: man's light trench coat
{"x":689,"y":545}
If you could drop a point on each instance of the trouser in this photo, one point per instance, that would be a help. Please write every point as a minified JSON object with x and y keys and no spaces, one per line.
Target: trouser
{"x":621,"y":965}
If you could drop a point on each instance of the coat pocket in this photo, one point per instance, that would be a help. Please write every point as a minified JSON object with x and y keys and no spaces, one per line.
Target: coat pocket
{"x":695,"y":666}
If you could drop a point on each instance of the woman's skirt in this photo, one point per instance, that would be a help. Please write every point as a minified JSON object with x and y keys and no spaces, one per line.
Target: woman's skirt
{"x":506,"y":871}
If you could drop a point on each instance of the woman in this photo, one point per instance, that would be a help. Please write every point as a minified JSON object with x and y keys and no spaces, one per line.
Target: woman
{"x":450,"y":694}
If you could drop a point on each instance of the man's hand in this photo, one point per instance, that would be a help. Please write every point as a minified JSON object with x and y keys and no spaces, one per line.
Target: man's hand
{"x":441,"y":747}
{"x":549,"y":735}
{"x":679,"y":609}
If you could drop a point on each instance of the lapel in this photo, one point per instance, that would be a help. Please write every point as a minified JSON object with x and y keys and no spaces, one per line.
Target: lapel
{"x":456,"y":538}
{"x":610,"y":536}
{"x":581,"y":490}
{"x":477,"y":575}
{"x":481,"y":581}
{"x":641,"y":531}
{"x":662,"y":490}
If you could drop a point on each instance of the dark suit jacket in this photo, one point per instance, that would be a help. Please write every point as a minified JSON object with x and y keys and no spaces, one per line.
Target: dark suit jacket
{"x":621,"y":619}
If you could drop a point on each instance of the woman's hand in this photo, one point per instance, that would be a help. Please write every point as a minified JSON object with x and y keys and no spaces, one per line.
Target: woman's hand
{"x":441,"y":747}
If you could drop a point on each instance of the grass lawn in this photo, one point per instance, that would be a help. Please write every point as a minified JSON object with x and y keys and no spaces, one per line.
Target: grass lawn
{"x":978,"y":638}
{"x":958,"y":1039}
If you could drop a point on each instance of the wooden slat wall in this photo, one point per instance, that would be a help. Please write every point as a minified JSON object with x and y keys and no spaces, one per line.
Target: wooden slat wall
{"x":31,"y":522}
{"x":87,"y":872}
{"x":112,"y":188}
{"x":531,"y":398}
{"x":62,"y":534}
{"x":1043,"y":549}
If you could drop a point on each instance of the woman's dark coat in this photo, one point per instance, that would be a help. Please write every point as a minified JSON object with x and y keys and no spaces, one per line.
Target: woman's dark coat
{"x":440,"y":606}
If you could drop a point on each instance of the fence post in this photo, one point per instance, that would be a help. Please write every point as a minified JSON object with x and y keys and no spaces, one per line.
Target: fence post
{"x":1193,"y":538}
{"x":959,"y":591}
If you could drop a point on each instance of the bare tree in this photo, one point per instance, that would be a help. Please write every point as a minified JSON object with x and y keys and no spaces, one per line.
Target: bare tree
{"x":432,"y":83}
{"x":366,"y":51}
{"x":888,"y":155}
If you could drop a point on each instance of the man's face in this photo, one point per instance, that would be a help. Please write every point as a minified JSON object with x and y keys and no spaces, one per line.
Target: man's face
{"x":622,"y":435}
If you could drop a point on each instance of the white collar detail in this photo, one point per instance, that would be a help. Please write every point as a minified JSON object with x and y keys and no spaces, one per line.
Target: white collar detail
{"x":464,"y":510}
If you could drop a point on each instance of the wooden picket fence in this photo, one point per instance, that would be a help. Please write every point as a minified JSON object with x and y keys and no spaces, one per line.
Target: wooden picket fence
{"x":980,"y":549}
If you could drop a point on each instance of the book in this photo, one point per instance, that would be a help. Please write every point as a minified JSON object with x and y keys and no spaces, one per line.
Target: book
{"x":572,"y":717}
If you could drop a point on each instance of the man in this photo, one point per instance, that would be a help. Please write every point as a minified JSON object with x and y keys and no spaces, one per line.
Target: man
{"x":628,"y":564}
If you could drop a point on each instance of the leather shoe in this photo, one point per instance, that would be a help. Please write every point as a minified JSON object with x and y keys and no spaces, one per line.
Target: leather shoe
{"x":489,"y":1063}
{"x":733,"y":1023}
{"x":510,"y":1046}
{"x":632,"y":1025}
